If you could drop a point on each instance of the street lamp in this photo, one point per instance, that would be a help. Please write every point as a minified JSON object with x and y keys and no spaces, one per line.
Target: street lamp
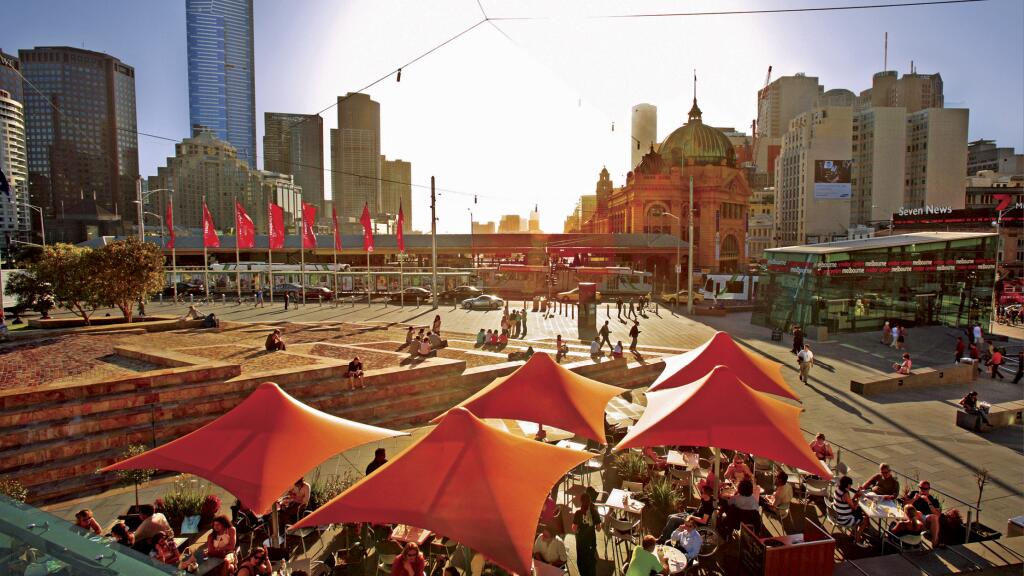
{"x":42,"y":225}
{"x":139,"y":202}
{"x":995,"y":273}
{"x":472,"y":250}
{"x":679,"y":267}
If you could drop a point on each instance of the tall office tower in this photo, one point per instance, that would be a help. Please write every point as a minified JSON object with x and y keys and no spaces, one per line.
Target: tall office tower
{"x":777,"y":104}
{"x":10,"y":77}
{"x":14,"y":218}
{"x":936,"y":158}
{"x":913,"y":91}
{"x":82,"y":142}
{"x":510,"y":224}
{"x":644,"y":133}
{"x":294,"y":144}
{"x":812,"y":177}
{"x":355,"y":160}
{"x":534,"y":223}
{"x":879,"y":164}
{"x":396,"y":190}
{"x":221,"y":72}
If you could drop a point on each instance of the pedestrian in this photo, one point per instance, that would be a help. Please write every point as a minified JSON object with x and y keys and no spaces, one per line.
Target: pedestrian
{"x":798,"y":339}
{"x":995,"y":362}
{"x":585,"y":523}
{"x":515,"y":323}
{"x":960,"y":348}
{"x":259,"y":298}
{"x":287,"y":299}
{"x":806,"y":359}
{"x":632,"y":310}
{"x":522,"y":319}
{"x":1016,"y":379}
{"x":901,"y":338}
{"x":142,"y":307}
{"x":618,"y":307}
{"x":604,"y":332}
{"x":976,"y":333}
{"x":634,"y":332}
{"x":436,"y":326}
{"x":895,"y":335}
{"x":886,"y":333}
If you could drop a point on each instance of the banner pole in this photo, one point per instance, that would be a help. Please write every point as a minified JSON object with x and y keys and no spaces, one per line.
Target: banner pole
{"x":238,"y":268}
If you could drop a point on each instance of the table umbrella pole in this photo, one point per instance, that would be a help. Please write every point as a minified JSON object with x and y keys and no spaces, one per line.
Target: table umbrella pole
{"x":715,"y":467}
{"x":275,"y":526}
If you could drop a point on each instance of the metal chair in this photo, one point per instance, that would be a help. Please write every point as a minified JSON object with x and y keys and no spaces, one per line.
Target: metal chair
{"x":384,"y":562}
{"x":763,"y":466}
{"x":832,"y":517}
{"x":620,"y":532}
{"x":904,"y":542}
{"x":303,"y":533}
{"x":635,"y":487}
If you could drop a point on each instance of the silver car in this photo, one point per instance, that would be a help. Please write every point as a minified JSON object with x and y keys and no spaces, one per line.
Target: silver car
{"x":483,"y":302}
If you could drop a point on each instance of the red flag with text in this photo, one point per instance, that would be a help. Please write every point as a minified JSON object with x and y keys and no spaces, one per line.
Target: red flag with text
{"x":367,"y":229}
{"x":275,"y":228}
{"x":245,"y":230}
{"x":399,"y":234}
{"x":308,"y":224}
{"x":170,"y":223}
{"x":337,"y":232}
{"x":210,"y":239}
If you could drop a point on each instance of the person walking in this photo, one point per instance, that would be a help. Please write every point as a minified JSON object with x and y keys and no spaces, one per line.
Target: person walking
{"x":522,"y":319}
{"x":436,"y":326}
{"x":604,"y":332}
{"x":960,"y":348}
{"x":618,"y":307}
{"x":887,"y":334}
{"x":632,"y":310}
{"x":976,"y":334}
{"x":806,"y":359}
{"x":1020,"y":367}
{"x":634,"y":333}
{"x":798,"y":339}
{"x":901,"y":338}
{"x":259,"y":298}
{"x":895,"y":335}
{"x":995,"y":362}
{"x":287,"y":299}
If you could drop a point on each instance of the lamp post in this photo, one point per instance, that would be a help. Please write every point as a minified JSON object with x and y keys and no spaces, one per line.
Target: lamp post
{"x":679,"y":266}
{"x":472,"y":250}
{"x":42,"y":224}
{"x":139,"y":202}
{"x":995,"y":273}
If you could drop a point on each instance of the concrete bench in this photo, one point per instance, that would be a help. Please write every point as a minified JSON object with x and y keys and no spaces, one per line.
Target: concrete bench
{"x":1004,"y":414}
{"x":918,"y":378}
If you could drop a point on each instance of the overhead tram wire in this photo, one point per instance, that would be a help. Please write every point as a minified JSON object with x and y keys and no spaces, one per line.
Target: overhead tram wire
{"x":789,"y":10}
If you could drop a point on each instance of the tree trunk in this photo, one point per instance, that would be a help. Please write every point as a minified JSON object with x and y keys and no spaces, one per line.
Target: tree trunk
{"x":126,"y":311}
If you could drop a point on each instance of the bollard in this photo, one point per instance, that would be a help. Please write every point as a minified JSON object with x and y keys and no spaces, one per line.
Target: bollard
{"x":191,"y":298}
{"x":223,"y":299}
{"x":572,"y":311}
{"x":161,"y":297}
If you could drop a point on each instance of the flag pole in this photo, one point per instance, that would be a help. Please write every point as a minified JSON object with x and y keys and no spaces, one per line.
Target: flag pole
{"x":238,"y":267}
{"x":367,"y":278}
{"x":302,"y":251}
{"x":174,"y":259}
{"x":206,"y":266}
{"x":270,"y":254}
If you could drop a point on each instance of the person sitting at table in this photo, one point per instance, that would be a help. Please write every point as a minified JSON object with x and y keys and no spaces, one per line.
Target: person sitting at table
{"x":410,"y":562}
{"x":274,"y":342}
{"x":85,"y":521}
{"x":549,"y":514}
{"x":738,"y":470}
{"x":700,"y":516}
{"x":256,"y":564}
{"x":164,"y":550}
{"x":221,"y":544}
{"x":550,"y":548}
{"x":687,"y":539}
{"x":354,"y":375}
{"x":424,"y":347}
{"x":380,"y":458}
{"x":741,"y":506}
{"x":929,"y":507}
{"x":657,"y":461}
{"x":152,"y":522}
{"x":119,"y":533}
{"x":294,"y":501}
{"x":884,"y":483}
{"x":644,"y":562}
{"x":912,"y":524}
{"x":822,"y":449}
{"x":848,"y":513}
{"x":779,"y":500}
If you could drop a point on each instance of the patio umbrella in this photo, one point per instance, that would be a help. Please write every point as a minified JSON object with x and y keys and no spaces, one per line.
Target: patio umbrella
{"x":721,"y":411}
{"x":258,"y":449}
{"x":756,"y":371}
{"x":545,"y":392}
{"x":465,"y":480}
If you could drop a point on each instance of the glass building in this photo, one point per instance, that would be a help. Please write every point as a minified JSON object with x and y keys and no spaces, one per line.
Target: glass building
{"x":221,"y":72}
{"x":855,"y":285}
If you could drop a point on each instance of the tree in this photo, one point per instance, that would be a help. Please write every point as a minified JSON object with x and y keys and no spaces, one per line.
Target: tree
{"x":127,"y":271}
{"x":135,"y":476}
{"x":29,"y":290}
{"x":71,"y":272}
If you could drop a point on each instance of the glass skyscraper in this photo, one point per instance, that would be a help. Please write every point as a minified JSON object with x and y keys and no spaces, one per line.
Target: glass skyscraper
{"x":221,"y":79}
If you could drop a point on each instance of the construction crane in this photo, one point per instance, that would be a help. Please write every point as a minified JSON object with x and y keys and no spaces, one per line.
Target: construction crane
{"x":762,"y":95}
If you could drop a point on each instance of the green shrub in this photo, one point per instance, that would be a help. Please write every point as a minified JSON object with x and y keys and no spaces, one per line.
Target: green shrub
{"x":662,"y":495}
{"x":631,"y":466}
{"x":323,"y":491}
{"x":186,"y":497}
{"x":13,"y":489}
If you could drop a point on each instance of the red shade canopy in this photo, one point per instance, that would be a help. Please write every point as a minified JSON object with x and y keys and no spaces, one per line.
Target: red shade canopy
{"x":719,"y":410}
{"x":465,"y":480}
{"x":758,"y":372}
{"x":258,"y":449}
{"x":546,"y":392}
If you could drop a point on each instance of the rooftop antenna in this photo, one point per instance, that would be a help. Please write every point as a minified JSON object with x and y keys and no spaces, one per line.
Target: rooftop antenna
{"x":694,"y":85}
{"x":885,"y":52}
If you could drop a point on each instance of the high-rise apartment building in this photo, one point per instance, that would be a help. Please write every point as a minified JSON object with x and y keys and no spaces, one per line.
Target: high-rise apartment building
{"x":510,"y":223}
{"x":644,"y":132}
{"x":221,"y":72}
{"x":879,"y":164}
{"x":812,"y":177}
{"x":396,"y":191}
{"x":294,"y":144}
{"x":985,"y":155}
{"x":81,"y":136}
{"x":936,"y":158}
{"x":10,"y":77}
{"x":913,"y":91}
{"x":533,"y":225}
{"x":355,"y":160}
{"x":777,"y":104}
{"x":14,"y":217}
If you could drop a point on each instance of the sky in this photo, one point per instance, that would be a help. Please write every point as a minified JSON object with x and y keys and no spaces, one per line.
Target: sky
{"x":517,"y":113}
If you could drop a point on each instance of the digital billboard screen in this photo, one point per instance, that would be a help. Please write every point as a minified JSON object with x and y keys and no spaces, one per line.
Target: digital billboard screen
{"x":832,"y":179}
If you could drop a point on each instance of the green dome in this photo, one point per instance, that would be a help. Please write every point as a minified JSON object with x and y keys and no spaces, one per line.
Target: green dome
{"x":698,"y":143}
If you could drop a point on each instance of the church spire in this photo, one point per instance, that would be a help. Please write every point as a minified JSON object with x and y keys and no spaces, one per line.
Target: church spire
{"x":695,"y":113}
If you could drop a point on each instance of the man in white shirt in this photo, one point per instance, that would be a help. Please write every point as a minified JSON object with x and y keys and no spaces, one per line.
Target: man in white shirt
{"x":806,"y":359}
{"x":687,"y":539}
{"x":976,"y":332}
{"x":595,"y":348}
{"x":550,"y":549}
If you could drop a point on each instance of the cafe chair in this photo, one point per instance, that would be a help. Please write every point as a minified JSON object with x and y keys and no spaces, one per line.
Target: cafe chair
{"x":832,"y":517}
{"x":763,"y":466}
{"x":620,"y":532}
{"x":709,"y":541}
{"x":914,"y":542}
{"x":384,"y":562}
{"x":303,"y":533}
{"x":633,"y":487}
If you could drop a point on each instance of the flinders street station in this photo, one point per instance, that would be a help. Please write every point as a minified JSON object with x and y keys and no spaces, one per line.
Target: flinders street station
{"x":655,"y":197}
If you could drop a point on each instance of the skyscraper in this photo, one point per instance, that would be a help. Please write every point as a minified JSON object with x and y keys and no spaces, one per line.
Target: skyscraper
{"x":14,"y":218}
{"x":221,"y":72}
{"x":355,"y":160}
{"x":10,"y":79}
{"x":644,"y":132}
{"x":294,"y":144}
{"x":396,"y":190}
{"x":81,"y":136}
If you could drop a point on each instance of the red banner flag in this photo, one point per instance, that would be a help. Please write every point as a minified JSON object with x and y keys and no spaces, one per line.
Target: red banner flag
{"x":399,"y":234}
{"x":245,"y":230}
{"x":308,"y":224}
{"x":275,"y":226}
{"x":170,"y":223}
{"x":210,"y":239}
{"x":337,"y":231}
{"x":367,"y":229}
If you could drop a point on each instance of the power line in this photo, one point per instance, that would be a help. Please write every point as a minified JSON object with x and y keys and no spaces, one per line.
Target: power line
{"x":789,"y":10}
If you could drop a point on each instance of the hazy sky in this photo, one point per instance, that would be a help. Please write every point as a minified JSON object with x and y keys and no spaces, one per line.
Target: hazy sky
{"x":527,"y":118}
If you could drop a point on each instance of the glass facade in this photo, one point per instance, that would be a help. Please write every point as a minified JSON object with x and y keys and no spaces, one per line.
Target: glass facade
{"x":221,"y":82}
{"x":915,"y":279}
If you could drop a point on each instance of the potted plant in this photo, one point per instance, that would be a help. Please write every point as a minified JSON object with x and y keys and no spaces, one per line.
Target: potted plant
{"x":136,"y":476}
{"x":323,"y":491}
{"x":631,"y":467}
{"x":185,"y":499}
{"x":13,"y":490}
{"x":662,"y":500}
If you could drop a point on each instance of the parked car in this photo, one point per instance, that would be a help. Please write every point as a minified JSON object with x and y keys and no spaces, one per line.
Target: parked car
{"x":294,"y":292}
{"x":412,"y":295}
{"x":681,"y":297}
{"x":483,"y":302}
{"x":460,"y":293}
{"x":184,"y":288}
{"x":574,"y":296}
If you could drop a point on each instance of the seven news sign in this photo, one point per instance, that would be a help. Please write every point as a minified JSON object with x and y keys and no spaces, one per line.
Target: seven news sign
{"x":832,"y":179}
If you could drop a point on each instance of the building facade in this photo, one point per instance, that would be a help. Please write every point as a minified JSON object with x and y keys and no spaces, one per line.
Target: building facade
{"x":221,"y":72}
{"x":355,"y":160}
{"x":14,"y":217}
{"x":81,"y":134}
{"x":484,"y":228}
{"x":584,"y":211}
{"x":10,"y":77}
{"x":294,"y":144}
{"x":510,"y":223}
{"x":396,"y":191}
{"x":760,"y":223}
{"x":810,"y":211}
{"x":879,"y":164}
{"x":936,"y":157}
{"x":985,"y":155}
{"x":644,"y":132}
{"x":912,"y":92}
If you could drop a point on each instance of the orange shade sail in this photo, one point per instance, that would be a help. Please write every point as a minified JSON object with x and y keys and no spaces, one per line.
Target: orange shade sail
{"x":545,"y":392}
{"x":258,"y":449}
{"x":465,"y":480}
{"x":719,"y":410}
{"x":756,"y":371}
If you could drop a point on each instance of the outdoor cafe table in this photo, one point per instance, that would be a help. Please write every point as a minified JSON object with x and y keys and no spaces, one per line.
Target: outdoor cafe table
{"x":688,"y":460}
{"x":571,"y":445}
{"x":617,"y":499}
{"x":880,"y":510}
{"x":404,"y":534}
{"x":676,"y":558}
